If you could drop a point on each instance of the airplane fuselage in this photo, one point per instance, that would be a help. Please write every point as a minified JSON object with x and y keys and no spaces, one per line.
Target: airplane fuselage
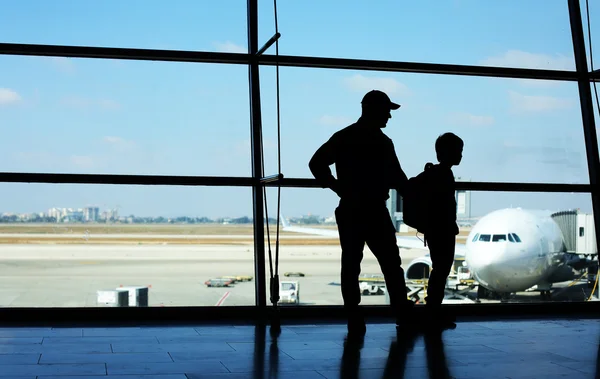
{"x":511,"y":250}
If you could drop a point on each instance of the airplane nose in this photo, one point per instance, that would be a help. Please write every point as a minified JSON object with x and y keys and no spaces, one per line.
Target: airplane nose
{"x":485,"y":254}
{"x":484,"y":260}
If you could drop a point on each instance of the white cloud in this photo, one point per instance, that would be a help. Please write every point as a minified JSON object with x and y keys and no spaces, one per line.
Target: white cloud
{"x":36,"y":157}
{"x":462,"y":118}
{"x":390,"y":86}
{"x":82,"y":161}
{"x":555,"y":152}
{"x":230,"y":47}
{"x":8,"y":96}
{"x":529,"y":103}
{"x":523,"y":59}
{"x":119,"y":143}
{"x":329,"y":120}
{"x":108,"y":104}
{"x":113,"y":140}
{"x":85,"y":103}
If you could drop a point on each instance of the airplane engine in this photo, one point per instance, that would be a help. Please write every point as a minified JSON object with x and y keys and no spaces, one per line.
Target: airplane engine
{"x":419,"y":268}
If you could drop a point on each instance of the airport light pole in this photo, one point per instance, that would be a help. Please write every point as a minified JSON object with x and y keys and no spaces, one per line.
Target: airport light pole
{"x":584,"y":79}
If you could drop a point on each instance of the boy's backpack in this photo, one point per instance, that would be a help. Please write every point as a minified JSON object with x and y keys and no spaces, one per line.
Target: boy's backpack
{"x":416,"y":200}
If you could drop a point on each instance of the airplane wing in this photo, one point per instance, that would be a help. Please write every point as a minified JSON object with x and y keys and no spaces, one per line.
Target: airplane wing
{"x":405,"y":242}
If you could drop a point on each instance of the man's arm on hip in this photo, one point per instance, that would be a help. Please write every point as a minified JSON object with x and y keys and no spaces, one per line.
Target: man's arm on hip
{"x":319,"y":165}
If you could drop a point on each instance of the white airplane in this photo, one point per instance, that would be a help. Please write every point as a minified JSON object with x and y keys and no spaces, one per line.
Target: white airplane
{"x":508,"y":250}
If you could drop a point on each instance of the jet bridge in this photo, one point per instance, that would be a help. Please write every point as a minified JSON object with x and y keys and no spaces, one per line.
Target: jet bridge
{"x":579,"y":242}
{"x":578,"y":232}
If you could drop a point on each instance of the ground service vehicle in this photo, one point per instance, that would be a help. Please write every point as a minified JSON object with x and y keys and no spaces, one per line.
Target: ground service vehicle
{"x":289,"y":292}
{"x":218,"y":282}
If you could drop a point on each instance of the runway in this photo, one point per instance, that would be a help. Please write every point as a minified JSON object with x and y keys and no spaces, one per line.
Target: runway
{"x":69,"y":275}
{"x":150,"y":236}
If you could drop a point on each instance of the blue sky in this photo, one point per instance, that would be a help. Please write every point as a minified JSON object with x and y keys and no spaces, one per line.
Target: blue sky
{"x":107,"y":116}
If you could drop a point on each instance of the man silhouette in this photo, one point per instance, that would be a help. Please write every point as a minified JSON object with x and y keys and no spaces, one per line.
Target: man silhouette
{"x":367,"y":168}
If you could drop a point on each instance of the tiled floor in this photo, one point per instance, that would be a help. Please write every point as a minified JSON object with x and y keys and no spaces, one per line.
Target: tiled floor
{"x":545,"y":349}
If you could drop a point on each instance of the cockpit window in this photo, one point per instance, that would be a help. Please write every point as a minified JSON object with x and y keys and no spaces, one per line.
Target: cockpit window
{"x":484,"y":237}
{"x":499,"y":238}
{"x":516,"y":237}
{"x":510,"y":237}
{"x":476,"y":237}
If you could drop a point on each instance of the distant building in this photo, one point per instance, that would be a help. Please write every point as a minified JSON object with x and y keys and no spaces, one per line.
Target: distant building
{"x":55,"y":213}
{"x":109,"y":215}
{"x":73,"y":215}
{"x":91,"y":214}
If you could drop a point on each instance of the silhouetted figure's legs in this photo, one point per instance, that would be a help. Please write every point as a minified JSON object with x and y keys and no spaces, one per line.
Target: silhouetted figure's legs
{"x":381,"y":239}
{"x":352,"y":241}
{"x":436,"y":357}
{"x":441,"y":248}
{"x":371,"y":225}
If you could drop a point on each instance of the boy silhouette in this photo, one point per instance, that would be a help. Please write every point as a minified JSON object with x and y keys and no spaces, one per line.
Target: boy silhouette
{"x":441,"y":225}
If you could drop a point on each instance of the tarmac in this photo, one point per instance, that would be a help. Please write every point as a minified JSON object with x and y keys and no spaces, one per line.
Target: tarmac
{"x":69,"y":275}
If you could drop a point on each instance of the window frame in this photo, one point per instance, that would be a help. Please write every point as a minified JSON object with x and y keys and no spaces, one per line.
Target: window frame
{"x":255,"y":58}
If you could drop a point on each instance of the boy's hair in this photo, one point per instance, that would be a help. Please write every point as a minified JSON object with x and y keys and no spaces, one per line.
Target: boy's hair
{"x":447,"y":143}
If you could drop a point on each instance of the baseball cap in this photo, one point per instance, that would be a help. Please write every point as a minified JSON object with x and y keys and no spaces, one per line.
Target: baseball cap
{"x":379,"y":98}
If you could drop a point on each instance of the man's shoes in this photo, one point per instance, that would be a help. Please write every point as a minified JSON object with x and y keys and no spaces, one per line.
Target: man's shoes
{"x":407,"y":321}
{"x":438,"y":319}
{"x":354,"y":341}
{"x":356,"y":327}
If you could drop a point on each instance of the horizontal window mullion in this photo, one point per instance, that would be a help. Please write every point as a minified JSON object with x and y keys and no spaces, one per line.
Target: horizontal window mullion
{"x":9,"y":177}
{"x":283,"y":60}
{"x":415,"y":67}
{"x":123,"y":53}
{"x":471,"y":186}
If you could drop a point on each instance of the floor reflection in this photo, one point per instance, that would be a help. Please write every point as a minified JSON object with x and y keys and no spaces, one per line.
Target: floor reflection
{"x":266,"y":366}
{"x":400,"y":347}
{"x":436,"y":356}
{"x":350,"y":363}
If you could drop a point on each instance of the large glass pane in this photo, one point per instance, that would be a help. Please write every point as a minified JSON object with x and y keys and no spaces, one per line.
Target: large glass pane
{"x":513,"y":271}
{"x":75,"y":245}
{"x":514,"y":130}
{"x":152,"y":24}
{"x":493,"y":33}
{"x":124,"y":117}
